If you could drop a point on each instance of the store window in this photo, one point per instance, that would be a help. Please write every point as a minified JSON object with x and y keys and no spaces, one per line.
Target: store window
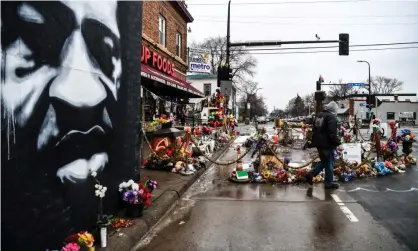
{"x":206,"y":89}
{"x":390,"y":115}
{"x":161,"y":30}
{"x":178,"y":44}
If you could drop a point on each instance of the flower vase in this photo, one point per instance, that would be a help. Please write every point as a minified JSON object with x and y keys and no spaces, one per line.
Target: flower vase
{"x":134,"y":210}
{"x":166,"y":125}
{"x":87,"y":248}
{"x":407,"y":147}
{"x":103,"y":237}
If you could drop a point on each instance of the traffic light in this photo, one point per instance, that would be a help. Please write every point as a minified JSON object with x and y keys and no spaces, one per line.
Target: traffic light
{"x":229,"y":74}
{"x":221,"y":75}
{"x":319,"y":82}
{"x":344,"y":44}
{"x":224,"y":74}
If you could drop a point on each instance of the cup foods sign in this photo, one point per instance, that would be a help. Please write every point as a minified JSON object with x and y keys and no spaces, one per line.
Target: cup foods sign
{"x":199,"y":61}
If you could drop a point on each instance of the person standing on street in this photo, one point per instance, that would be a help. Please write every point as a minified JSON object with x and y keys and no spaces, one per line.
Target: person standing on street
{"x":325,"y":139}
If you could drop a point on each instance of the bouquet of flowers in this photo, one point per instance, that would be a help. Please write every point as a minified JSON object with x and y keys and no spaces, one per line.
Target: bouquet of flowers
{"x":406,"y":135}
{"x":376,"y":125}
{"x":163,"y":119}
{"x":74,"y":242}
{"x":137,"y":193}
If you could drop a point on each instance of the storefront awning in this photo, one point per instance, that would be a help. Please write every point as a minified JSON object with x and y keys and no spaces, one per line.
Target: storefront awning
{"x":151,"y":73}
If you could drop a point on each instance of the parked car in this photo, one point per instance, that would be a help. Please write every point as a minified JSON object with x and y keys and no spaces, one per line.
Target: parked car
{"x":261,"y":120}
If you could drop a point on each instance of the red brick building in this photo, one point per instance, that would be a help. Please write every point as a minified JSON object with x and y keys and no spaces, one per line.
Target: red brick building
{"x":164,"y":50}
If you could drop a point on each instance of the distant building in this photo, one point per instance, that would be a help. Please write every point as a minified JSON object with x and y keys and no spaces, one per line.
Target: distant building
{"x":402,"y":110}
{"x":207,"y":84}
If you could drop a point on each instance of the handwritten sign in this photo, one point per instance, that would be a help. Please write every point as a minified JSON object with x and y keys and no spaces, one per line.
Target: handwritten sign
{"x":352,"y":152}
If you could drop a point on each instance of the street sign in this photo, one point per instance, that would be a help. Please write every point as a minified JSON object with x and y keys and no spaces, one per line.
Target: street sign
{"x":355,"y":84}
{"x":362,"y":104}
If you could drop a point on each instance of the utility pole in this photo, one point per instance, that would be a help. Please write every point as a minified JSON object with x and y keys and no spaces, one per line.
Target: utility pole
{"x":228,"y":35}
{"x":319,"y":96}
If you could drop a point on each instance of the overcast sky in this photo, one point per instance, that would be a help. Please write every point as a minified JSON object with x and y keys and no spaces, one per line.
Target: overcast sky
{"x":282,"y":76}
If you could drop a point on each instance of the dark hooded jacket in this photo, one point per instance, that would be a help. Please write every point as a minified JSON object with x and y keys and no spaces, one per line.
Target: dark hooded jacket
{"x":324,"y":132}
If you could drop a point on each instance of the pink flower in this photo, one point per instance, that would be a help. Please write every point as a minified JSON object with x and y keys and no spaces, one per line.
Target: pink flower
{"x":71,"y":247}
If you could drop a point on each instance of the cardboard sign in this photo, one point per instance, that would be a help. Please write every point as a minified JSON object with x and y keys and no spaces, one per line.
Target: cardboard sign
{"x":352,"y":152}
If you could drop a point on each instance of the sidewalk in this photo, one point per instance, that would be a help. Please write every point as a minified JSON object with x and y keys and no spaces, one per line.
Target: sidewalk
{"x":171,"y":186}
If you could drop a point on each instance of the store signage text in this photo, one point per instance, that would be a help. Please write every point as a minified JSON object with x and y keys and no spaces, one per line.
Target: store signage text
{"x":155,"y":60}
{"x":199,"y":60}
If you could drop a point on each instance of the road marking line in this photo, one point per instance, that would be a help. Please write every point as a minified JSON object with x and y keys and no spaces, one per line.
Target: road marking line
{"x":351,"y":217}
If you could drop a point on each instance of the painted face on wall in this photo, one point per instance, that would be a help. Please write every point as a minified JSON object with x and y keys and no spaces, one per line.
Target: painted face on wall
{"x":61,"y":71}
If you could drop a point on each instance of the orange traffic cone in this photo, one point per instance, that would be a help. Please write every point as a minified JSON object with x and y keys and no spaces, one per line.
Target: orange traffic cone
{"x":276,"y":138}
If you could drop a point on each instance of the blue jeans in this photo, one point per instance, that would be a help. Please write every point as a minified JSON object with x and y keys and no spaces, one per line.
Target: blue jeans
{"x":327,"y":162}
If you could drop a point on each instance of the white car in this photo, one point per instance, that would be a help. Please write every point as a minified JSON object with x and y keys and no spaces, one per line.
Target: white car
{"x":261,"y":120}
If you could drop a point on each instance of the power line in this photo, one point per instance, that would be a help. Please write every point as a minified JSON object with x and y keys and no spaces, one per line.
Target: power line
{"x":312,"y":52}
{"x":306,"y":17}
{"x":324,"y":47}
{"x":308,"y":23}
{"x":297,"y":2}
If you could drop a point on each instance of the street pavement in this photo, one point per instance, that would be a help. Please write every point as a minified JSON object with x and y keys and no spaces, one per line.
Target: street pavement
{"x":215,"y":214}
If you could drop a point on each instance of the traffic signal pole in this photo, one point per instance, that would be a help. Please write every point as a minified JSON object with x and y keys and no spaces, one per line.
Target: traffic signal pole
{"x":228,"y":35}
{"x":343,"y":42}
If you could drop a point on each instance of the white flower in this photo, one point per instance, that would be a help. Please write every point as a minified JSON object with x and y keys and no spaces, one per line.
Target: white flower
{"x":120,"y":189}
{"x":135,"y":187}
{"x":101,"y":195}
{"x":130,"y":182}
{"x":96,"y":186}
{"x":104,"y":189}
{"x":94,"y":174}
{"x":123,"y":185}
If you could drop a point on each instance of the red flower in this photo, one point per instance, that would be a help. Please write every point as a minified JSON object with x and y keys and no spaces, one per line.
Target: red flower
{"x":72,"y":238}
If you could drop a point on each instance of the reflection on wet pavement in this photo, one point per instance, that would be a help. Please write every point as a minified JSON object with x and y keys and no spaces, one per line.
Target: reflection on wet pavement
{"x":215,"y":214}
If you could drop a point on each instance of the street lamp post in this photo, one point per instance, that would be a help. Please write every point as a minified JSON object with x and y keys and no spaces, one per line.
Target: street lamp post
{"x":370,"y":80}
{"x":376,"y":135}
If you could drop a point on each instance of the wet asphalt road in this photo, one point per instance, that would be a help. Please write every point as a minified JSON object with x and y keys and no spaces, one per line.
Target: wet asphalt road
{"x":215,"y":214}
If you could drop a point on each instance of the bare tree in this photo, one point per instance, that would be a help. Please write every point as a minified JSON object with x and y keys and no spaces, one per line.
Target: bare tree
{"x":384,"y":85}
{"x":249,"y":95}
{"x":243,"y":65}
{"x":340,"y":91}
{"x":309,"y":101}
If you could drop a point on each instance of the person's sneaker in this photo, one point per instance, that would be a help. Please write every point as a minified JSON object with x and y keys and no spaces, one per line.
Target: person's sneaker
{"x":309,"y":178}
{"x":332,"y":186}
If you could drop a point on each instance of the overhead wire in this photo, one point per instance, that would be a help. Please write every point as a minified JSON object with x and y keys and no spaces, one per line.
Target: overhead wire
{"x":323,"y":47}
{"x":307,"y":23}
{"x":295,"y":2}
{"x":312,"y":52}
{"x":306,"y":17}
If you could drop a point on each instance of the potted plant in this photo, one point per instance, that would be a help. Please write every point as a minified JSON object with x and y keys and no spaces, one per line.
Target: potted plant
{"x":136,"y":196}
{"x":165,"y":123}
{"x":407,"y":138}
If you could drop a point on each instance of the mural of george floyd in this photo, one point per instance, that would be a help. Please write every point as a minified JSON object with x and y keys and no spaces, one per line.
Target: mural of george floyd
{"x":70,"y":90}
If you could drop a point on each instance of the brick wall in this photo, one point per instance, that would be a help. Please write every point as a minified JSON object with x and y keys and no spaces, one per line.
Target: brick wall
{"x":174,"y":23}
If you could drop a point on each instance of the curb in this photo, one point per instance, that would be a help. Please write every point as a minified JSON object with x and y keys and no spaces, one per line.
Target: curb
{"x":127,"y":238}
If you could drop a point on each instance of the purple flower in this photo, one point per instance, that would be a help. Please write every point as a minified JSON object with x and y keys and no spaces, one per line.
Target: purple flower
{"x":286,"y":160}
{"x":129,"y":197}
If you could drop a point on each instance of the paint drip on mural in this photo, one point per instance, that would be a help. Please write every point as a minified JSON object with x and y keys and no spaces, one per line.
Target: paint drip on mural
{"x":61,"y":85}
